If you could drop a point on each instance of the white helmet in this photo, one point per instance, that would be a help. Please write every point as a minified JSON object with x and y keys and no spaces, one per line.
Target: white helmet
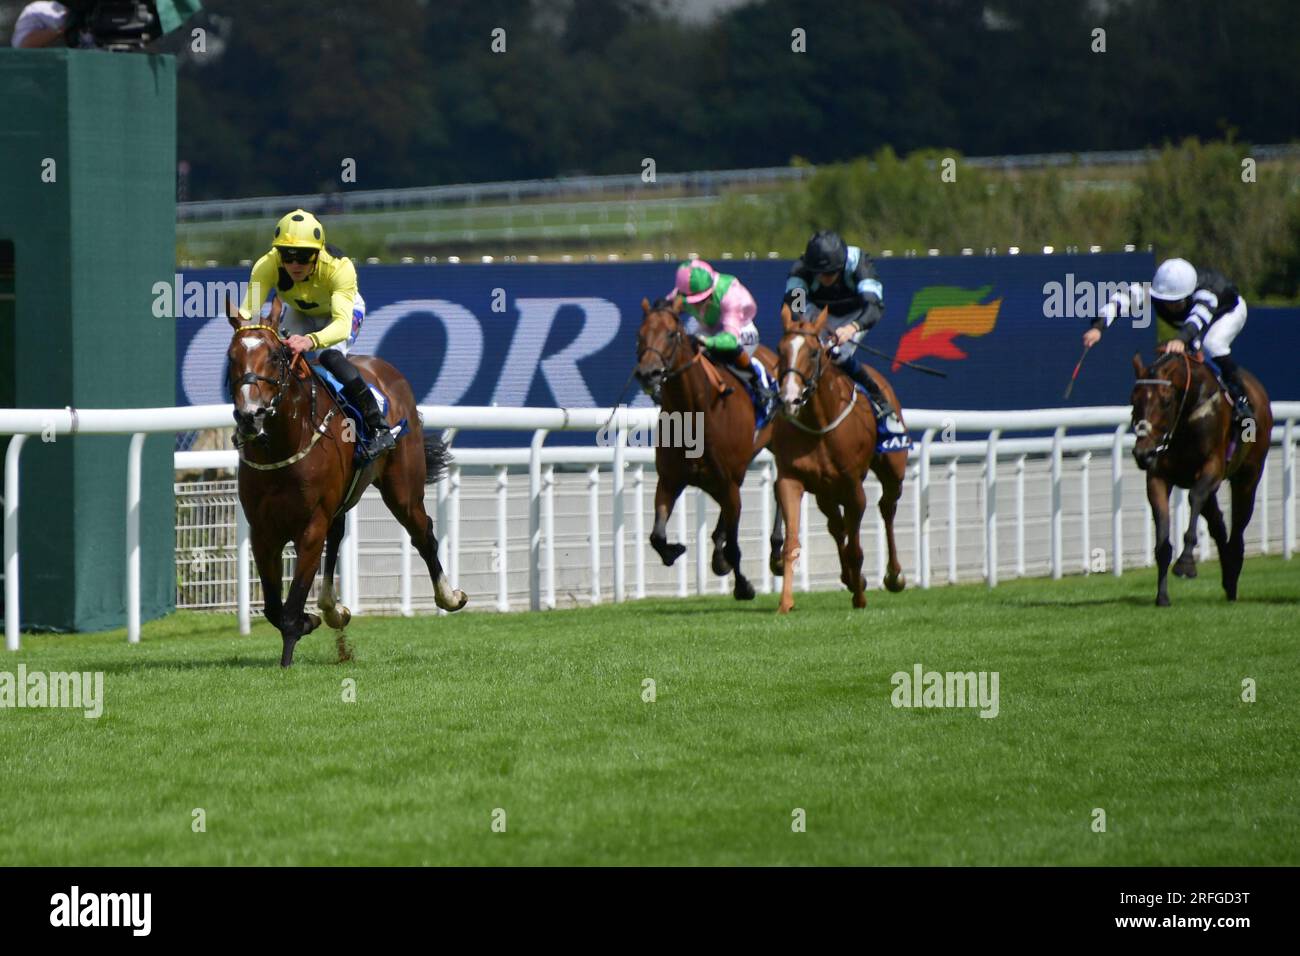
{"x":1175,"y":279}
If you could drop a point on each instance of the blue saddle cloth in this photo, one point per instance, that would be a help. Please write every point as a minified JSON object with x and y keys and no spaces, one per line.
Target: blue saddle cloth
{"x":358,"y":419}
{"x":886,"y":441}
{"x":760,"y":393}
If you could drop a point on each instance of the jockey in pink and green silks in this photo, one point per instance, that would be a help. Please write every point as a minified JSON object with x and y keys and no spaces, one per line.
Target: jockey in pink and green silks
{"x":719,"y":311}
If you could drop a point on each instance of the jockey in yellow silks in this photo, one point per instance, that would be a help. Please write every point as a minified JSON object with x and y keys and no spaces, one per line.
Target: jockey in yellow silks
{"x":323,"y":310}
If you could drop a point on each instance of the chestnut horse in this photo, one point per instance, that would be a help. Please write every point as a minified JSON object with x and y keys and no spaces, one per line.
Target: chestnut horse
{"x":672,"y":369}
{"x":826,"y":443}
{"x":1184,"y":427}
{"x":297,"y":475}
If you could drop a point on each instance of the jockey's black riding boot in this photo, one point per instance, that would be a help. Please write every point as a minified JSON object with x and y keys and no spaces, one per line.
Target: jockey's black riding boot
{"x":358,"y":393}
{"x":857,"y":371}
{"x":1230,"y":372}
{"x":381,"y":439}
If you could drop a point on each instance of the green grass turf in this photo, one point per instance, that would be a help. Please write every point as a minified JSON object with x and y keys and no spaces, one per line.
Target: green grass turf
{"x":1106,"y":701}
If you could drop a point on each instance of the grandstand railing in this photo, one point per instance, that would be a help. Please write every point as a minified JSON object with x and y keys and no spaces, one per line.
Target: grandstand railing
{"x":618,"y":456}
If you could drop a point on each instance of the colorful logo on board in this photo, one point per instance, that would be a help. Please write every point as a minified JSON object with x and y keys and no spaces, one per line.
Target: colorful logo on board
{"x":941,"y":313}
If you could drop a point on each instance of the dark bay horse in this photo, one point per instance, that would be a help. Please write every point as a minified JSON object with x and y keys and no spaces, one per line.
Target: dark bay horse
{"x":675,"y":373}
{"x":825,"y":443}
{"x":297,"y":477}
{"x":1184,"y":428}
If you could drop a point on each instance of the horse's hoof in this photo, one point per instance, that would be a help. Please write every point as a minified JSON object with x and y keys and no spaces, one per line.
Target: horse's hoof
{"x":784,"y":608}
{"x":311,"y":622}
{"x":776,"y":565}
{"x":743,"y":591}
{"x":1185,"y":569}
{"x":895,"y":584}
{"x":859,"y":600}
{"x":458,"y":600}
{"x":337,"y":617}
{"x":671,"y":552}
{"x":1162,"y":600}
{"x":721,"y":565}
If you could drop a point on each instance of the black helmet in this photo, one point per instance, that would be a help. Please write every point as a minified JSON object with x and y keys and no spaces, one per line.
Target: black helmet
{"x":825,"y":252}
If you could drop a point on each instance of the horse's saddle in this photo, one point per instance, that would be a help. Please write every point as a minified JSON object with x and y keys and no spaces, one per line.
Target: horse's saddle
{"x":358,"y":419}
{"x":891,"y":435}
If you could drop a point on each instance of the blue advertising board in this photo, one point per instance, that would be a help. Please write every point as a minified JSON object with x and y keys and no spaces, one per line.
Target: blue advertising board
{"x":1005,"y":329}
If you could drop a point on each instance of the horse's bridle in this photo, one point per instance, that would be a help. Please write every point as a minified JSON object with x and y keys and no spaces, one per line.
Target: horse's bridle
{"x":282,"y":362}
{"x":810,"y":383}
{"x":1142,"y":427}
{"x":281,"y":384}
{"x":677,"y":336}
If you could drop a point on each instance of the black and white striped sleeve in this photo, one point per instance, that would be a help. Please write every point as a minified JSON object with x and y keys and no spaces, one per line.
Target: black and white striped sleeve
{"x":1204,"y":306}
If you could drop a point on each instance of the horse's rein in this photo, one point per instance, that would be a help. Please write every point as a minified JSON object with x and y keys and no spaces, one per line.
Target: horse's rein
{"x":1168,"y":437}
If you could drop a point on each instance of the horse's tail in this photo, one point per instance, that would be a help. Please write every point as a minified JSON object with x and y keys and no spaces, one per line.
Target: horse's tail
{"x":436,"y":458}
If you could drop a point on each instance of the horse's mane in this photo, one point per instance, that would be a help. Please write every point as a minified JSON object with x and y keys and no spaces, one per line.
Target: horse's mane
{"x":662,"y":304}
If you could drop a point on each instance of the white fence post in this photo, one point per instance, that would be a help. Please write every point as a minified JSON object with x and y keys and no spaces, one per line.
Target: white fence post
{"x":134,"y":452}
{"x":765,"y":508}
{"x":12,"y":612}
{"x":923,"y":495}
{"x":620,"y":508}
{"x":683,"y":537}
{"x":915,"y":475}
{"x":503,"y":539}
{"x":1117,"y":501}
{"x":593,"y":528}
{"x":952,"y":520}
{"x":548,"y":532}
{"x":243,"y":586}
{"x":1020,"y":516}
{"x":352,"y":548}
{"x":1263,"y":508}
{"x":1058,"y":437}
{"x":404,"y":543}
{"x":991,"y":508}
{"x":638,"y":525}
{"x":701,"y":536}
{"x":535,"y":520}
{"x":1085,"y":513}
{"x":1288,"y":489}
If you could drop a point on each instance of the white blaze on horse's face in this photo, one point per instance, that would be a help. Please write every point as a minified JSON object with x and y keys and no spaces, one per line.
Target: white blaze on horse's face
{"x":790,"y":387}
{"x":248,"y":399}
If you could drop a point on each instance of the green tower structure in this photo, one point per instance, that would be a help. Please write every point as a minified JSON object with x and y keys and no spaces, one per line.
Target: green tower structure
{"x":87,"y":227}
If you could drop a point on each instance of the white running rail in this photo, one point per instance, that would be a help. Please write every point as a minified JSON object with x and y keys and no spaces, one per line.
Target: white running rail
{"x":615,"y":453}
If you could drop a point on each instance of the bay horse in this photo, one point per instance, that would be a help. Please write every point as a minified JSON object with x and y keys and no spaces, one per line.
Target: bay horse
{"x":297,"y":475}
{"x":825,"y":442}
{"x":674,"y":371}
{"x":1184,"y":429}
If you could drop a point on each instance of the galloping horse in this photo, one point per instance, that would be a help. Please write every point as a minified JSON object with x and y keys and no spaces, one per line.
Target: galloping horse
{"x":823,"y":445}
{"x":671,"y":368}
{"x":297,"y":476}
{"x":1185,"y":437}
